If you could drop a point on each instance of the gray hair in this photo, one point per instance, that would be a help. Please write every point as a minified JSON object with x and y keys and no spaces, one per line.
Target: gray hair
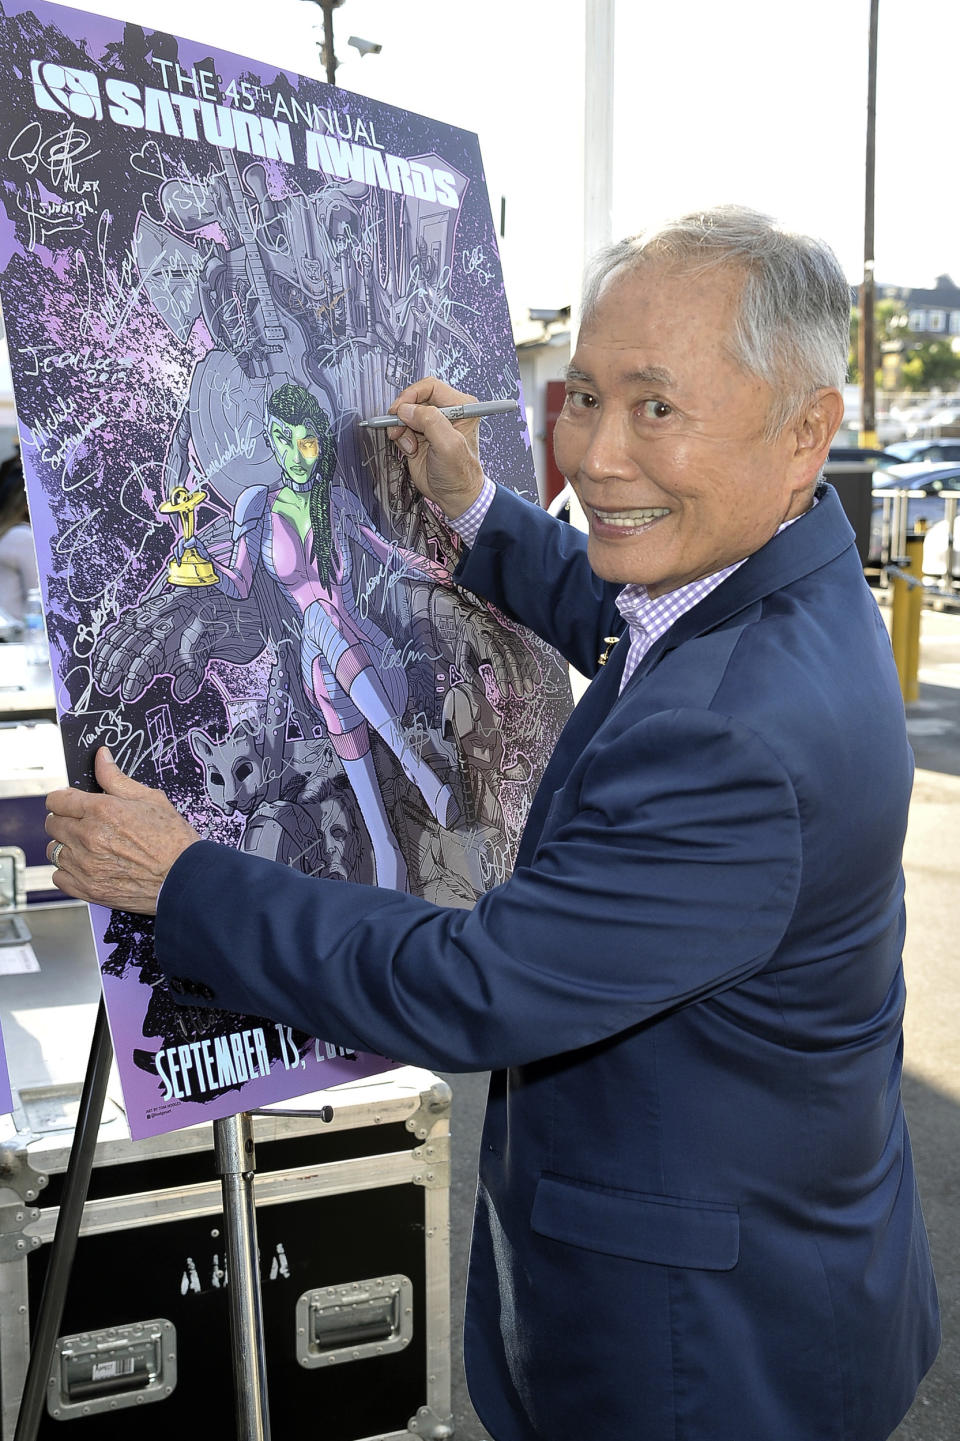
{"x":793,"y":326}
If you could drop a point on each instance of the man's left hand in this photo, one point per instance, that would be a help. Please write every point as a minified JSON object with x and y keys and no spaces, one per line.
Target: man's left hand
{"x":114,"y":848}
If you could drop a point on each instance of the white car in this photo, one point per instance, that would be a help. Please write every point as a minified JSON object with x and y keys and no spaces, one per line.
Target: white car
{"x":931,"y":483}
{"x":935,"y":550}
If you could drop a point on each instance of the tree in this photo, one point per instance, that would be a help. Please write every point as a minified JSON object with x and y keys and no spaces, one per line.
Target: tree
{"x":930,"y":365}
{"x":889,"y":323}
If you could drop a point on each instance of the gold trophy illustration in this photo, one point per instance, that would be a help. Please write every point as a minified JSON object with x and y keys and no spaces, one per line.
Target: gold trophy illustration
{"x":191,"y":568}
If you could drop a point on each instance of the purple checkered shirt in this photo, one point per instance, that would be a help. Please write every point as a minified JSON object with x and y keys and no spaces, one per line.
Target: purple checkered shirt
{"x":468,"y":524}
{"x":647,"y":620}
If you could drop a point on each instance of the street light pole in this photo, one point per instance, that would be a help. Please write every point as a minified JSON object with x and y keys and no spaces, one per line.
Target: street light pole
{"x":329,"y":58}
{"x":867,"y":349}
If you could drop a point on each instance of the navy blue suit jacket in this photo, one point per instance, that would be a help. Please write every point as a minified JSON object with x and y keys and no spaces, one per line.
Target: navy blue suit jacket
{"x":697,"y":1215}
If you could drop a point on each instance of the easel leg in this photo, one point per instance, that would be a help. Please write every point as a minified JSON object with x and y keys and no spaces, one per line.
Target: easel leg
{"x":236,"y":1163}
{"x":64,"y":1246}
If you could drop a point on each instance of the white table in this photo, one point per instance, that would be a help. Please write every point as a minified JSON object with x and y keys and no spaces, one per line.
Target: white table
{"x":25,"y":690}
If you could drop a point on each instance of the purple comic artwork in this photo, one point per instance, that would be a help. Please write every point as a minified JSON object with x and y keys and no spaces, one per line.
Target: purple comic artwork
{"x":210,"y":272}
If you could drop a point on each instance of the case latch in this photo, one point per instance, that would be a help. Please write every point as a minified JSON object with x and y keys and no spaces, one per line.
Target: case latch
{"x":99,"y":1371}
{"x":353,"y":1320}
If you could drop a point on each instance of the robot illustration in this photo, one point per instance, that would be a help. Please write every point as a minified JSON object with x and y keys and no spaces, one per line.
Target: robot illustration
{"x":311,"y":285}
{"x":310,"y":308}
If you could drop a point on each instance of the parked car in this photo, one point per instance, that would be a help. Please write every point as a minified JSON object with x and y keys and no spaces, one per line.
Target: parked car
{"x":932,"y":450}
{"x":935,"y":410}
{"x":926,"y":509}
{"x":857,"y":454}
{"x":853,"y":470}
{"x":935,"y":550}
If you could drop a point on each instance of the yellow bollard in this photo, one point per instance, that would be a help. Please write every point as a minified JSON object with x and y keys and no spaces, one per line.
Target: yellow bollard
{"x":915,"y":552}
{"x":905,"y":620}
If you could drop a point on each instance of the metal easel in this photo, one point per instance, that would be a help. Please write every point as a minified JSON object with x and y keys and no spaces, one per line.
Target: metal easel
{"x":236,"y":1163}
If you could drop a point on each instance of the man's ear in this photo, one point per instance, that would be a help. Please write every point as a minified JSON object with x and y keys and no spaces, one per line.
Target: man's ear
{"x":816,"y":428}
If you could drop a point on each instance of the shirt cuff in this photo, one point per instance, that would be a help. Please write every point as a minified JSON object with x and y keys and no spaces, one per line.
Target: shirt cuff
{"x":467,"y":525}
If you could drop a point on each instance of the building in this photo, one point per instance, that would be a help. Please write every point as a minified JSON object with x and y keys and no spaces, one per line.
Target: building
{"x":929,"y":314}
{"x":543,"y":353}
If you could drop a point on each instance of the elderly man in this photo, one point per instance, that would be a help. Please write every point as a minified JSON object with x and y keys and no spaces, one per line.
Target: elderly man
{"x":697,"y":1215}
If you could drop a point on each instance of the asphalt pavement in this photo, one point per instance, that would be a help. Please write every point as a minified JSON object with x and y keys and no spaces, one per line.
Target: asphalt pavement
{"x":931,"y":1048}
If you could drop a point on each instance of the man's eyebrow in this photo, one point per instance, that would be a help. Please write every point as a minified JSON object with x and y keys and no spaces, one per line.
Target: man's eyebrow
{"x":646,"y":375}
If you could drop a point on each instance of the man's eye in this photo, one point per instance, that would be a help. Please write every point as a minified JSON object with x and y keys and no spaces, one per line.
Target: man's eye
{"x":655,"y":410}
{"x":581,"y":399}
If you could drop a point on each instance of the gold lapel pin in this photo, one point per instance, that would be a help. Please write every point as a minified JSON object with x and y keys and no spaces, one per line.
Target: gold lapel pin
{"x":609,"y":642}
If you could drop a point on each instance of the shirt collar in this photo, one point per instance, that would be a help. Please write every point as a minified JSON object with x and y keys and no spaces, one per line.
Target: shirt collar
{"x":655,"y":617}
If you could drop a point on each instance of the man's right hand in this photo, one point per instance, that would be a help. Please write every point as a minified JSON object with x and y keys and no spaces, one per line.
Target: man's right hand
{"x":443,"y":457}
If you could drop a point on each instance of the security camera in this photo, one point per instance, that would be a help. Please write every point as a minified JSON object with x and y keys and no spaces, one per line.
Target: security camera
{"x":366,"y":47}
{"x":550,"y":317}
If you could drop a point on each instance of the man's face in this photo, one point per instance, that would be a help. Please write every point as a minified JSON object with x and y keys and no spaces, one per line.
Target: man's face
{"x":337,"y":840}
{"x":661,"y":435}
{"x":296,"y":448}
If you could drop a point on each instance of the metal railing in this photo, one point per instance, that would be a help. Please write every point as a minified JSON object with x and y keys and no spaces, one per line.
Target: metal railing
{"x":901,"y":555}
{"x":895,"y":530}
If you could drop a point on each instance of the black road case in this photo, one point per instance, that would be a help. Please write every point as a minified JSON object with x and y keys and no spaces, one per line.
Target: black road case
{"x":353,"y":1228}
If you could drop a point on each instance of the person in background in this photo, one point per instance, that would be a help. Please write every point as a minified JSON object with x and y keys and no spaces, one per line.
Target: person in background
{"x":18,"y":559}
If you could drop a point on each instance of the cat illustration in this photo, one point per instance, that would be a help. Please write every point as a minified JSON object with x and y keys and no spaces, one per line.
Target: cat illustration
{"x":302,"y":813}
{"x":239,"y":778}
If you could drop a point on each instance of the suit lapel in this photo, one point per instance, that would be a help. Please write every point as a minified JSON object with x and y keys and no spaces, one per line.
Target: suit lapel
{"x":819,"y":537}
{"x":585,"y":720}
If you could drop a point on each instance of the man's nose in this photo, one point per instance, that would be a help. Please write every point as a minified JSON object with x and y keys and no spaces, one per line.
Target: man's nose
{"x":610,"y":451}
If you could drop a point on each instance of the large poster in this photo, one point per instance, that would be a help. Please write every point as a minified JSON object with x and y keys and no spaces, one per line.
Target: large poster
{"x":210,"y":273}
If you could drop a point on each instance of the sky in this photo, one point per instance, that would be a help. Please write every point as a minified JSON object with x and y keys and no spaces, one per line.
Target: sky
{"x":751,"y":101}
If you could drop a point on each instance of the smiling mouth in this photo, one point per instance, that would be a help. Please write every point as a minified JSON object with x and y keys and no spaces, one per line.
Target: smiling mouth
{"x":628,"y":519}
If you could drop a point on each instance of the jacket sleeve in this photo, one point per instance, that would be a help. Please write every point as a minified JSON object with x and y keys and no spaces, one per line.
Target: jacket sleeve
{"x":668,"y":873}
{"x":535,"y":569}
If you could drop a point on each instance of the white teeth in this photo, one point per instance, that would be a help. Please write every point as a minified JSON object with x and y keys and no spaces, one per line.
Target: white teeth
{"x":629,"y":519}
